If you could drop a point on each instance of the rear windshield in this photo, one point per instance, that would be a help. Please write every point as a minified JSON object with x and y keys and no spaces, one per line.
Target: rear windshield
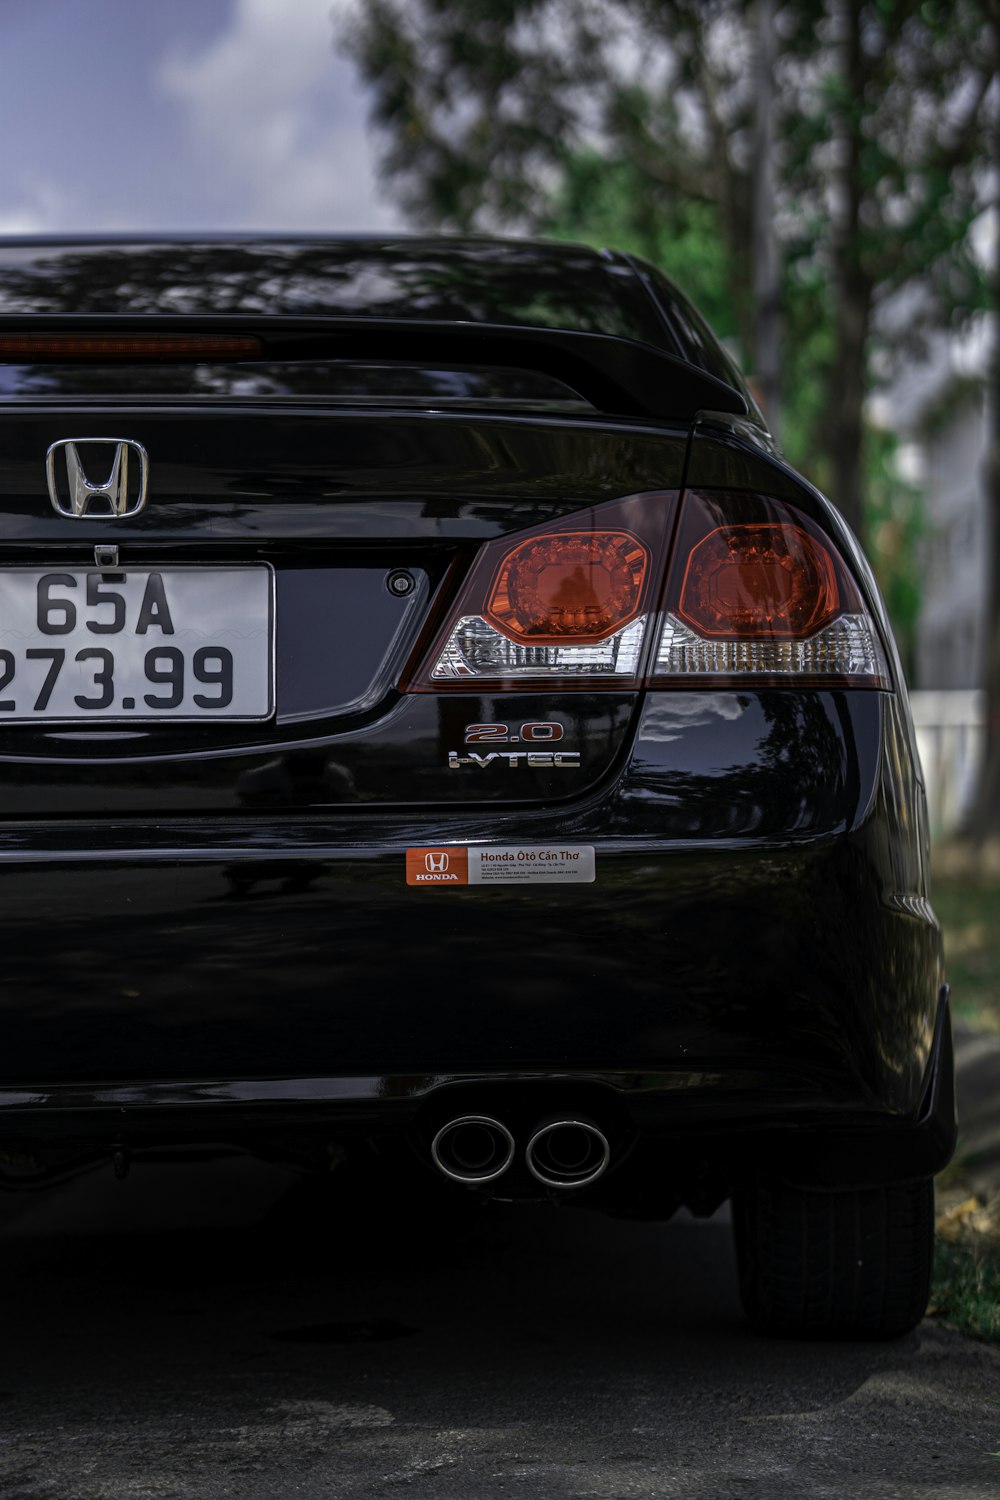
{"x":471,"y":281}
{"x":320,"y":380}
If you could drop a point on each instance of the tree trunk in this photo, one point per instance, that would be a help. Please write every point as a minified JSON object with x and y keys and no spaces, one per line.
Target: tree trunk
{"x":767,"y":268}
{"x":852,"y":288}
{"x":848,"y":383}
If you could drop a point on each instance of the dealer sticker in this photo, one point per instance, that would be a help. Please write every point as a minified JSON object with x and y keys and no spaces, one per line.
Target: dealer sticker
{"x":513,"y":864}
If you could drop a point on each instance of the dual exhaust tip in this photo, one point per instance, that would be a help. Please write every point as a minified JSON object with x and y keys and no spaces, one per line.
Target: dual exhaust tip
{"x":566,"y":1152}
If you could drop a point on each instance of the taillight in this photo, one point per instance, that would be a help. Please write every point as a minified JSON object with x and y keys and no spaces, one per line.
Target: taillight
{"x":756,"y":589}
{"x":568,"y":600}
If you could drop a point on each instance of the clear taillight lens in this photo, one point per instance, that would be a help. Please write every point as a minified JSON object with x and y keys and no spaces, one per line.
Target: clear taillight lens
{"x":846,"y":648}
{"x":570,"y":601}
{"x":475,"y":649}
{"x":757,"y":590}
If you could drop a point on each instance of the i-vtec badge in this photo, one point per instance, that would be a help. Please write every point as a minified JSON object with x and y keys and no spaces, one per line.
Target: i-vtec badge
{"x":539,"y":760}
{"x":533,"y":732}
{"x":74,"y":468}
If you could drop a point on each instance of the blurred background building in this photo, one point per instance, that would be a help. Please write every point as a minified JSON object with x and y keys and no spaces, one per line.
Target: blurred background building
{"x":936,"y":406}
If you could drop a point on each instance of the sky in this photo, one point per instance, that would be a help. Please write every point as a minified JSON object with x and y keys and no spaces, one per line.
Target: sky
{"x":182,"y":115}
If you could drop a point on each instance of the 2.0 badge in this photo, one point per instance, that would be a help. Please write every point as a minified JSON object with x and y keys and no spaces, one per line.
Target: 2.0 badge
{"x":535,"y":732}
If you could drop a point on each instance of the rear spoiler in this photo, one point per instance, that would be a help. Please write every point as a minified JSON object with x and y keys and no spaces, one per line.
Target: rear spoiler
{"x":617,"y":375}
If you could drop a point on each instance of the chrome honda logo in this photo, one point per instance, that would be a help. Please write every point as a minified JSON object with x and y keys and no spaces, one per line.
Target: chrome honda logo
{"x":75,"y":493}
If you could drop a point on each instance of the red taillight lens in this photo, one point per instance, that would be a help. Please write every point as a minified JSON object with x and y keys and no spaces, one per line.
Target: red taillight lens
{"x":773,"y":580}
{"x":577,"y":586}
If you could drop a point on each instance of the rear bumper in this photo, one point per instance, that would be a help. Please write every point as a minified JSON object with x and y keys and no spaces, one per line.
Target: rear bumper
{"x":673,"y":1135}
{"x":755,"y":966}
{"x":760,"y":994}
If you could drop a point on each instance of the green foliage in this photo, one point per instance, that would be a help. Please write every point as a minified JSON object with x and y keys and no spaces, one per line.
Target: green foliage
{"x":895,"y":527}
{"x":886,"y":141}
{"x":473,"y":98}
{"x":485,"y":108}
{"x":967,"y":910}
{"x":602,"y":201}
{"x":808,"y":351}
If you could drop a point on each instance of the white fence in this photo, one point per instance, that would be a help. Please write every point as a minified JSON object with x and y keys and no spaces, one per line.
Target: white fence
{"x":949,"y":727}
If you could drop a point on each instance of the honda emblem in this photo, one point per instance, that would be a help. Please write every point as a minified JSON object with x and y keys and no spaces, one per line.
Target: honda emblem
{"x":77,"y":494}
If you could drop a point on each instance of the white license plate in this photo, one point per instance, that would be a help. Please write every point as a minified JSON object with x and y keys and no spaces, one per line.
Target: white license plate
{"x":136,"y":644}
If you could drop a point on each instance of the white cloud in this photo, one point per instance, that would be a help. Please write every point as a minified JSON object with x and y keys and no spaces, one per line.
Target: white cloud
{"x":277,"y":118}
{"x":21,"y":221}
{"x":42,"y":210}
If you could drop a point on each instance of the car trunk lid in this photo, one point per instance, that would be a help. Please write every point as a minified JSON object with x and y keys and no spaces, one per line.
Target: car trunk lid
{"x":367,"y":519}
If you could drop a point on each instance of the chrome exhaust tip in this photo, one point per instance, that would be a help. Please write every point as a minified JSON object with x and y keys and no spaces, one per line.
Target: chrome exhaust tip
{"x":568,"y":1153}
{"x":473,"y":1149}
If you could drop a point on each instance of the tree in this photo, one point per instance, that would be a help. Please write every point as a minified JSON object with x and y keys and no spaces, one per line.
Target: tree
{"x":483,"y":105}
{"x":486,"y":108}
{"x":883,"y":164}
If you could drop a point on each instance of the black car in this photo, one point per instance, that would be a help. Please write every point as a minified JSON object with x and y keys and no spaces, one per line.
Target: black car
{"x":440,"y":728}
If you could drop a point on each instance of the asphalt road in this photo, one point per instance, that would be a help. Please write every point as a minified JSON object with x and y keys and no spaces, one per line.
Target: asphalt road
{"x":224,"y":1330}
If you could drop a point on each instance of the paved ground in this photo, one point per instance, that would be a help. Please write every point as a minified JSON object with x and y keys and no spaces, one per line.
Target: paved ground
{"x":227,"y":1332}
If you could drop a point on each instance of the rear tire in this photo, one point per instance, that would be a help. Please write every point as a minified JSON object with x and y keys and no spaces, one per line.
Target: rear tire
{"x":852,"y":1264}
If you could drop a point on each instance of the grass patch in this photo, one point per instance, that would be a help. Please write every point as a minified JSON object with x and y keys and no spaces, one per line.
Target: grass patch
{"x":966,"y":1287}
{"x":965,"y":1290}
{"x":969,"y":912}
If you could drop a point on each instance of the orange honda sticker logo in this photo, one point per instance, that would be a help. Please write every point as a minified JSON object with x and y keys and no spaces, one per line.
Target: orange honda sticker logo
{"x":437,"y":866}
